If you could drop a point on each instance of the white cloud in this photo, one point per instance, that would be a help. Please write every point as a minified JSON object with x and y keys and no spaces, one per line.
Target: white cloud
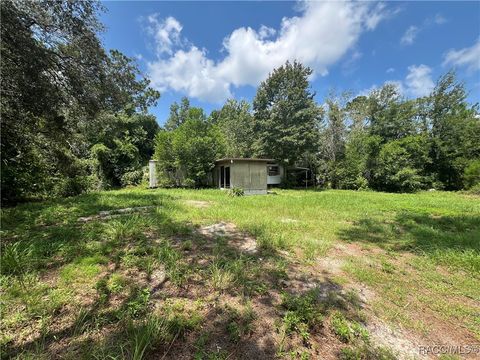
{"x":266,"y":32}
{"x":390,"y":70}
{"x":165,"y":32}
{"x":419,"y":80}
{"x":321,"y":35}
{"x":469,"y":57}
{"x":409,"y":36}
{"x":439,"y":19}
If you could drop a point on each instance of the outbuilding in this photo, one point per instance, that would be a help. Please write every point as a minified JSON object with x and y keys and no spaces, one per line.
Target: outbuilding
{"x":250,"y":174}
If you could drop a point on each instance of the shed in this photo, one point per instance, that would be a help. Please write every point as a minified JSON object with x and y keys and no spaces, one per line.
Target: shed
{"x":249,"y":174}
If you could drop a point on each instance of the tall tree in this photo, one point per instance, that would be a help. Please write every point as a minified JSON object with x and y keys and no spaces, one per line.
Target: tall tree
{"x":56,"y":79}
{"x":236,"y":123}
{"x":178,"y":114}
{"x":455,"y":131}
{"x":286,"y":118}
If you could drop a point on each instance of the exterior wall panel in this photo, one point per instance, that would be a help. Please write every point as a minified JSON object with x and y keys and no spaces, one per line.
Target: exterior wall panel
{"x":251,"y":176}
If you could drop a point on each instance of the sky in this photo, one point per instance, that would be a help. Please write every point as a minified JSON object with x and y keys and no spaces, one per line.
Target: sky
{"x":212,"y":51}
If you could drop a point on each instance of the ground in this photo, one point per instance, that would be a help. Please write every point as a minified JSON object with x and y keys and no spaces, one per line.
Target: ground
{"x":182,"y":274}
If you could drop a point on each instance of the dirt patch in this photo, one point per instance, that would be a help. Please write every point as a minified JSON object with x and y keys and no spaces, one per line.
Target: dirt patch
{"x":198,"y":204}
{"x":236,"y":238}
{"x":111,"y":214}
{"x":399,"y":341}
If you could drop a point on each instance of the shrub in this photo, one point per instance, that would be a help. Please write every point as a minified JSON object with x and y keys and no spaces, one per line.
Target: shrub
{"x":471,"y":174}
{"x":73,"y":186}
{"x":475,"y":190}
{"x":189,"y":183}
{"x":131,"y":178}
{"x":234,"y":192}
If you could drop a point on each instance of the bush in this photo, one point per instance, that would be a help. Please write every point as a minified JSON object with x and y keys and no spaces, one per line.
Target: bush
{"x":471,"y":174}
{"x":475,"y":189}
{"x":131,"y":177}
{"x":189,"y":183}
{"x":234,"y":192}
{"x":74,"y":186}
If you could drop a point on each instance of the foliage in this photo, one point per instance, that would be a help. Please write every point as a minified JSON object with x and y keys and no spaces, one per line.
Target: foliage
{"x":235,"y":122}
{"x":401,"y":163}
{"x":60,"y":79}
{"x":122,"y":147}
{"x":472,"y":174}
{"x":400,"y":145}
{"x":286,"y":118}
{"x":186,"y":155}
{"x":234,"y":192}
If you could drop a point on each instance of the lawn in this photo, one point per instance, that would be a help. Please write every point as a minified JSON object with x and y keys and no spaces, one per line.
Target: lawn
{"x":184,"y":274}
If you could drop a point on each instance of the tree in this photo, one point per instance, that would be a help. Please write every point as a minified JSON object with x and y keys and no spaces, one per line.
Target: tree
{"x":235,"y":121}
{"x":56,"y":80}
{"x":454,"y":131}
{"x":401,"y":165}
{"x":186,"y":155}
{"x":286,"y":118}
{"x":389,"y":116}
{"x":178,"y":114}
{"x":122,"y":148}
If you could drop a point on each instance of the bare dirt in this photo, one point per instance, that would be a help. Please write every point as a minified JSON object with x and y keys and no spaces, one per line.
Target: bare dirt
{"x":240,"y":240}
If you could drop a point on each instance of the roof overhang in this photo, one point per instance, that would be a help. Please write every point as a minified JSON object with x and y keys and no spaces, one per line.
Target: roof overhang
{"x":231,"y":160}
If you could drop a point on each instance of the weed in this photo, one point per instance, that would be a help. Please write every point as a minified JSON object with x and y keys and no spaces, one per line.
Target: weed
{"x":240,"y":322}
{"x":15,"y":258}
{"x":116,"y":283}
{"x":221,"y":278}
{"x":176,"y":270}
{"x":346,"y":330}
{"x":302,"y":313}
{"x":103,"y":291}
{"x":137,"y":303}
{"x":142,"y":336}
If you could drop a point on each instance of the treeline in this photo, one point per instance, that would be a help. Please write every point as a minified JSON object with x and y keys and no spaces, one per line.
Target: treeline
{"x":74,"y":116}
{"x":379,"y":141}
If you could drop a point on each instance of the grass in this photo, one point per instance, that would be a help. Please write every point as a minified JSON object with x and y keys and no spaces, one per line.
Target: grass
{"x":134,"y":284}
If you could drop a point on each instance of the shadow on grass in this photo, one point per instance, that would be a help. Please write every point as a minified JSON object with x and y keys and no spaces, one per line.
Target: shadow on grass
{"x":198,"y":268}
{"x":452,"y":240}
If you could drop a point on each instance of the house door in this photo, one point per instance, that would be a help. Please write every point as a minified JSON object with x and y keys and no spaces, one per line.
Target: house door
{"x":227,"y":177}
{"x":222,"y":176}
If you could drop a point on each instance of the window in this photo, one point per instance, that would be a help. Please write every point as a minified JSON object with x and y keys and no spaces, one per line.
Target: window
{"x":273,"y":171}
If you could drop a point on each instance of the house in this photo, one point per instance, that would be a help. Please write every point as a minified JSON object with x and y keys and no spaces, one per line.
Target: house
{"x":250,"y":174}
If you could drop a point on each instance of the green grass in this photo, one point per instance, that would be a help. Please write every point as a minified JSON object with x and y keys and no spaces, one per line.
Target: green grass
{"x":63,"y":279}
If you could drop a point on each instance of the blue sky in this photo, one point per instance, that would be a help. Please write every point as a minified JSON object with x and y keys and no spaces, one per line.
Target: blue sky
{"x":210,"y":51}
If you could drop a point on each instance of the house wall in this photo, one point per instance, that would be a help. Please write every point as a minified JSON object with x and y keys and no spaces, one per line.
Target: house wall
{"x":251,"y":176}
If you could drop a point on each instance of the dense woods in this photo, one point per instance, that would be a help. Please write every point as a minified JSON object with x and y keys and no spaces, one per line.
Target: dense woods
{"x":75,"y":119}
{"x":74,"y":116}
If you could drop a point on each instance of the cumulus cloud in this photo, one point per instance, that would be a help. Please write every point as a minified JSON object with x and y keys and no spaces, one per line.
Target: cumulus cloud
{"x":419,"y":80}
{"x":409,"y":36}
{"x":321,"y":35}
{"x":469,"y":57}
{"x":166,"y":33}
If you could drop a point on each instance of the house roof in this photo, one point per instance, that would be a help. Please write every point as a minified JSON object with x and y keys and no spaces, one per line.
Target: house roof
{"x":244,"y":159}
